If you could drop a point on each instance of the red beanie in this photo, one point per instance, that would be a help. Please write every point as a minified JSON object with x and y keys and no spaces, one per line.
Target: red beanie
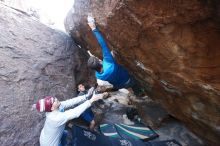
{"x":45,"y":104}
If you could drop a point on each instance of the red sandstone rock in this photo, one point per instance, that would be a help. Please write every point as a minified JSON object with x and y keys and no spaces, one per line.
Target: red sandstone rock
{"x":172,"y":47}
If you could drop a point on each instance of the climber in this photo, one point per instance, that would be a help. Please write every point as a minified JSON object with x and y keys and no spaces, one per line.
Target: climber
{"x":108,"y":69}
{"x":87,"y":115}
{"x":57,"y":116}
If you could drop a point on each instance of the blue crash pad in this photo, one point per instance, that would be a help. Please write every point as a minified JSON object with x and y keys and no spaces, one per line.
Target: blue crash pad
{"x":137,"y":131}
{"x":84,"y":137}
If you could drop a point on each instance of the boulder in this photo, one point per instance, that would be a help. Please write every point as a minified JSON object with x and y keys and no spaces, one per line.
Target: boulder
{"x":35,"y":61}
{"x":171,"y":47}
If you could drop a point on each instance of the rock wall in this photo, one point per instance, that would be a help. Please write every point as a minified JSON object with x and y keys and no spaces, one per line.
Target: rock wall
{"x":34,"y":61}
{"x":172,"y":48}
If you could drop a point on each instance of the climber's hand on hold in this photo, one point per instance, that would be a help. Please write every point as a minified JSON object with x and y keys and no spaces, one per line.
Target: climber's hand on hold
{"x":91,"y":22}
{"x":97,"y":97}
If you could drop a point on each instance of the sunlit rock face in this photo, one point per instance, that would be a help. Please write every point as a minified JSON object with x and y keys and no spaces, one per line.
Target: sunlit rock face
{"x":34,"y":61}
{"x":171,"y":47}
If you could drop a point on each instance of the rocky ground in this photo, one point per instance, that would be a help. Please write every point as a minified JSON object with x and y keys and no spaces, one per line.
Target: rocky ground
{"x":113,"y":110}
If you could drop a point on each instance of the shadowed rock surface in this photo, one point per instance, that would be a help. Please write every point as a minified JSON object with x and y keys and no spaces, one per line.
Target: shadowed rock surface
{"x":113,"y":110}
{"x":172,"y":48}
{"x":34,"y":61}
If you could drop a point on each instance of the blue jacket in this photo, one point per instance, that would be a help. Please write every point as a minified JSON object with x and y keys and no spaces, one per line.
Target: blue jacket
{"x":112,"y":71}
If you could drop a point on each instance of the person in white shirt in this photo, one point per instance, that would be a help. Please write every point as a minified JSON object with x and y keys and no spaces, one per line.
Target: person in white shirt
{"x":57,"y":116}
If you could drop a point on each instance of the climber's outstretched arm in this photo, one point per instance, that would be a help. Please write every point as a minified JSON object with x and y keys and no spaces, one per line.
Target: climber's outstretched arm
{"x":105,"y":50}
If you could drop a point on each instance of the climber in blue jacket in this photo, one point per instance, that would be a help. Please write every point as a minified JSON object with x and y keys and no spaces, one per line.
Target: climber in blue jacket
{"x":108,"y":69}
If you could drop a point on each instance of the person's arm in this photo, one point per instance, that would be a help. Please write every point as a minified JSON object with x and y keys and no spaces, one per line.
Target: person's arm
{"x":77,"y":111}
{"x":105,"y":50}
{"x":73,"y":101}
{"x":76,"y":100}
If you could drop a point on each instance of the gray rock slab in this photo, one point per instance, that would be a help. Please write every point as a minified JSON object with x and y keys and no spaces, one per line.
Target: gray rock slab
{"x":34,"y":61}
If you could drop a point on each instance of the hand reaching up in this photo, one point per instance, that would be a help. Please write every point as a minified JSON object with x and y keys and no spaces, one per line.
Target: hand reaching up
{"x":91,"y":22}
{"x":90,"y":93}
{"x":97,"y":97}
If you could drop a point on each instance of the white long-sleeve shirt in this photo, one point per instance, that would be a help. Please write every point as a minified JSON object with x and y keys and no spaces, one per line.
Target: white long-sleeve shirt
{"x":56,"y":120}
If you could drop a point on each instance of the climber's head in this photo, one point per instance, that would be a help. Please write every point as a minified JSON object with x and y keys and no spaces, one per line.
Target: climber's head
{"x":47,"y":104}
{"x":81,"y":88}
{"x":94,"y":63}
